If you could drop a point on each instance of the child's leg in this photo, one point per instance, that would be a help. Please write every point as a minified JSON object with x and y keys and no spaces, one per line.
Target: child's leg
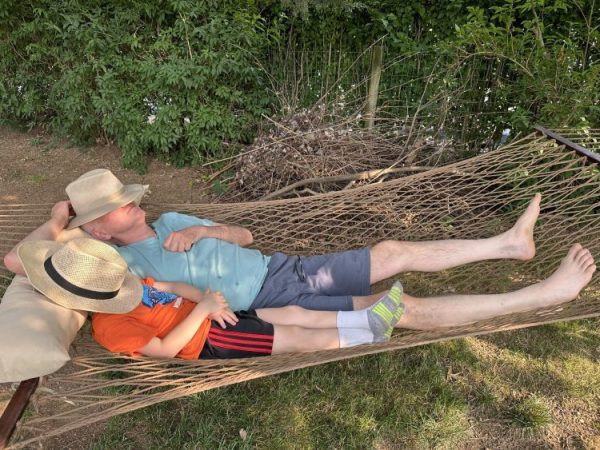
{"x":374,"y":324}
{"x":252,"y":336}
{"x":304,"y":330}
{"x":294,"y":339}
{"x":293,"y":315}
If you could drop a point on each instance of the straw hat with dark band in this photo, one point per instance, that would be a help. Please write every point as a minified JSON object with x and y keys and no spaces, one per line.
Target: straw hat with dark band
{"x":99,"y":192}
{"x":82,"y":274}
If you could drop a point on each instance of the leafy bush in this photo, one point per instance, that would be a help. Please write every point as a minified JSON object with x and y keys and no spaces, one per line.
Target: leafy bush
{"x":178,"y":78}
{"x":171,"y":78}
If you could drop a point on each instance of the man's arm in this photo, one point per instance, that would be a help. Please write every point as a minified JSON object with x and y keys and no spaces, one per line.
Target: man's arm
{"x":182,"y":240}
{"x":59,"y":218}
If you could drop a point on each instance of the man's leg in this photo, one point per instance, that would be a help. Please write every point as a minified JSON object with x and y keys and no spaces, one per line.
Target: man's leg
{"x":389,"y":258}
{"x":573,"y":274}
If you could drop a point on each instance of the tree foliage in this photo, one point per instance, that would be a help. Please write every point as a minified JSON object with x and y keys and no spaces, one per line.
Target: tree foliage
{"x":172,"y":78}
{"x":179,"y":78}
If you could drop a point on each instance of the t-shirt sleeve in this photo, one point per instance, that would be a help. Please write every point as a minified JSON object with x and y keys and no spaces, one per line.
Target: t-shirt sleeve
{"x":120,"y":333}
{"x":177,"y":221}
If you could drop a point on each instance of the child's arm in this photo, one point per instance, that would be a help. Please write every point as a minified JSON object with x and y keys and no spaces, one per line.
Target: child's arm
{"x":179,"y":336}
{"x":181,"y":289}
{"x":172,"y":343}
{"x":196,"y":295}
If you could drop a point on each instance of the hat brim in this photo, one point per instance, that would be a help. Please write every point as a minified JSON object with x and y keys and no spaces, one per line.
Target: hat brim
{"x":33,"y":254}
{"x":131,"y":193}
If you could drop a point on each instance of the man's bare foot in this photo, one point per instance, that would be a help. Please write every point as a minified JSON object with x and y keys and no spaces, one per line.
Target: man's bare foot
{"x":518,"y":240}
{"x":573,"y":274}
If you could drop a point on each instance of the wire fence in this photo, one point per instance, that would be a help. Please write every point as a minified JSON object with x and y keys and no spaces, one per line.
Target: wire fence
{"x":458,"y":96}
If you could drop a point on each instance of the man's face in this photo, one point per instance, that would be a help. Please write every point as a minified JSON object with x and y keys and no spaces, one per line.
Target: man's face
{"x":123,"y":219}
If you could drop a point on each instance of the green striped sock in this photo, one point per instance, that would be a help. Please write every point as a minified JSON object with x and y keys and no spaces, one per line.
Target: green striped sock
{"x":384,"y":314}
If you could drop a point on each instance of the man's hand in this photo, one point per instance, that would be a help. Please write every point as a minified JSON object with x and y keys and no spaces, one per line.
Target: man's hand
{"x":60,"y":213}
{"x":182,"y":240}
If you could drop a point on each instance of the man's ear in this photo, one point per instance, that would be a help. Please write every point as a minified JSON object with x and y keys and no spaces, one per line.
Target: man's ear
{"x":100,"y":235}
{"x":96,"y":232}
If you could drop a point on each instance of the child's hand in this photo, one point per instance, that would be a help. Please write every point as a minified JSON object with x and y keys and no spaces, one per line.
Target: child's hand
{"x":213,"y":301}
{"x":218,"y":308}
{"x":225,"y":315}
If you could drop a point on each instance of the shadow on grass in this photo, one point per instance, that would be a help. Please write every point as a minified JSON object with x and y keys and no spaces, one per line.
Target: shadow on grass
{"x":557,"y":340}
{"x":417,"y":398}
{"x":361,"y":403}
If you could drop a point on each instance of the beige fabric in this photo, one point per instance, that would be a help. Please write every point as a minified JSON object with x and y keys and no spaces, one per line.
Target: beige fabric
{"x":35,"y":333}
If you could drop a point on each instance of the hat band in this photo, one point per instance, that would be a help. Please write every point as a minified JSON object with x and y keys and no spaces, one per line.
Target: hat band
{"x":79,"y":291}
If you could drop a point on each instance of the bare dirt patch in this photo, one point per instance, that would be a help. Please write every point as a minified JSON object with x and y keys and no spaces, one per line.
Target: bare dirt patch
{"x":36,"y":168}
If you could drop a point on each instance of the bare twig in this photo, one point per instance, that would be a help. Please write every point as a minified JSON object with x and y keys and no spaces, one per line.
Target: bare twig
{"x":367,"y":175}
{"x":219,"y":172}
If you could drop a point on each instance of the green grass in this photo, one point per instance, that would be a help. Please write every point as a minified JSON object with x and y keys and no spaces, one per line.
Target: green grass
{"x":438,"y":396}
{"x":532,"y":413}
{"x":39,"y":179}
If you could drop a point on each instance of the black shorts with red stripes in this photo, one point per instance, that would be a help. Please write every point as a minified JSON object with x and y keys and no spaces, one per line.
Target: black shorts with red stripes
{"x":251,"y":336}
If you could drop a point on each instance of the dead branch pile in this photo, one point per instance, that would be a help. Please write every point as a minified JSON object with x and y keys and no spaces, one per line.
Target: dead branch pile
{"x":307,"y":153}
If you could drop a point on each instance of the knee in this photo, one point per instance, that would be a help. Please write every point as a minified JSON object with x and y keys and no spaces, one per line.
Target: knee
{"x":388,"y":248}
{"x":396,"y":252}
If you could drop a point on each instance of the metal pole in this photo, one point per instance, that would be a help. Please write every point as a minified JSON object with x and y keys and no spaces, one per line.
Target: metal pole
{"x":594,"y":157}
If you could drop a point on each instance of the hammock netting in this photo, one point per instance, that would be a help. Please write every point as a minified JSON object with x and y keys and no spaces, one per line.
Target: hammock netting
{"x":474,"y":198}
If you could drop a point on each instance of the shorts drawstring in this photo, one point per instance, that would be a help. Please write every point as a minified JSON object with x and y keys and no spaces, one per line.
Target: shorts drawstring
{"x":299,"y":269}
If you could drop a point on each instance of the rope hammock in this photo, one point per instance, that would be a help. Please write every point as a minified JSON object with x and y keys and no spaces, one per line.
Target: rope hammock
{"x":474,"y":198}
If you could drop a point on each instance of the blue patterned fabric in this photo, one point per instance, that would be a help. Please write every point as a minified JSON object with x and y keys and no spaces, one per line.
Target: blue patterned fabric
{"x":153,"y":296}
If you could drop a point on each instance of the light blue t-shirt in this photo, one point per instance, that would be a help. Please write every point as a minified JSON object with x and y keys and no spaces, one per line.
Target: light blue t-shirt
{"x":215,"y":264}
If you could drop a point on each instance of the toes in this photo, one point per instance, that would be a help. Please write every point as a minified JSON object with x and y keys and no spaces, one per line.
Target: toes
{"x":574,"y":250}
{"x":587,"y":262}
{"x":585,"y":255}
{"x":582,"y":255}
{"x":590,"y":269}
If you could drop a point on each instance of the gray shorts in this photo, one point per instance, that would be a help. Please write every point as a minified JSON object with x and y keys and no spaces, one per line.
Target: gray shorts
{"x":324,"y":282}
